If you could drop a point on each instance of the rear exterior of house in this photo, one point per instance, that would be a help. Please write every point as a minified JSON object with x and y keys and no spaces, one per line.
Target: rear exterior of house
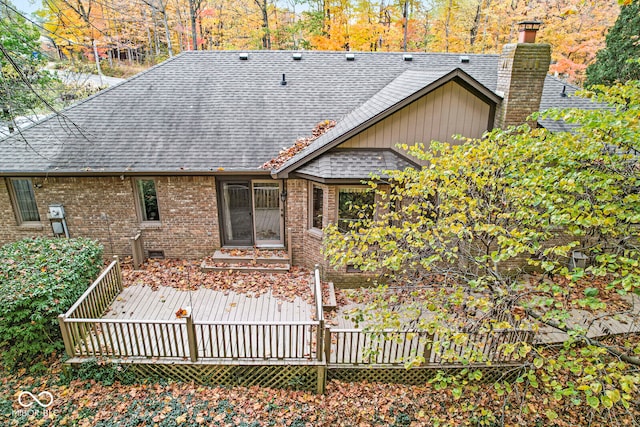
{"x":176,"y":153}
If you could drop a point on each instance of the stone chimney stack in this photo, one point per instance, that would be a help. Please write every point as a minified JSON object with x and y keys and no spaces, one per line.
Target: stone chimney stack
{"x":522,"y":69}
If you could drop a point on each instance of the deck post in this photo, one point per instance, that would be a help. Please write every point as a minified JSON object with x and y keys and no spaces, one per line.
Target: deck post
{"x":428,"y":347}
{"x":321,"y":385}
{"x":137,"y":249}
{"x":191,"y":336}
{"x":320,"y":341}
{"x":68,"y":347}
{"x":327,"y":345}
{"x":118,"y":272}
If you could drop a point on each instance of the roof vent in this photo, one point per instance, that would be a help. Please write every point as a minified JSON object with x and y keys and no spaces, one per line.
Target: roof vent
{"x":407,"y":57}
{"x":244,"y":56}
{"x":464,"y":59}
{"x":564,"y":91}
{"x":350,"y":57}
{"x":283,"y":82}
{"x":297,"y":56}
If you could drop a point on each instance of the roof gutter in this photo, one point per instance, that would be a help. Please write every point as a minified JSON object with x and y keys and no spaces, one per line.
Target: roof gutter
{"x":81,"y":174}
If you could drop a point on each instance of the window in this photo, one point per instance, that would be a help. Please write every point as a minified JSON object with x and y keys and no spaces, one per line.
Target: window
{"x":317,"y":206}
{"x":148,"y":199}
{"x":354,"y":204}
{"x":25,"y":200}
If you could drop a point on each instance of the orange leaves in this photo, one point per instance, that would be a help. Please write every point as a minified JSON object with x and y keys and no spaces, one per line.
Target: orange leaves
{"x":187,"y":275}
{"x":300,"y":144}
{"x":181,"y":313}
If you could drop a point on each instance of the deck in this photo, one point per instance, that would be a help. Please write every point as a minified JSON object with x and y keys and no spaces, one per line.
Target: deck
{"x":141,"y":302}
{"x":257,"y":334}
{"x":227,"y":325}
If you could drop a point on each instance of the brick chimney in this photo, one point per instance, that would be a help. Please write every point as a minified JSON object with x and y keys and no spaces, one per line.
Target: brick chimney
{"x":522,"y":69}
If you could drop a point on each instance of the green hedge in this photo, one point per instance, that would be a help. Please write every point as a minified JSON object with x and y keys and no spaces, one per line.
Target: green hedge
{"x":40,"y":279}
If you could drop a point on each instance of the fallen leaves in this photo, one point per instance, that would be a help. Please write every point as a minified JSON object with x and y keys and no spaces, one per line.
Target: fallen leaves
{"x":187,"y":275}
{"x":300,"y":144}
{"x":345,"y":404}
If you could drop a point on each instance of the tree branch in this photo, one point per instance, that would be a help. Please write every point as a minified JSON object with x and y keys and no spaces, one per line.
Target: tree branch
{"x":622,"y":356}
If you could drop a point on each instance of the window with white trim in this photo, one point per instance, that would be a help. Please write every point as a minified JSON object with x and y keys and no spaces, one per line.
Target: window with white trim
{"x":354,"y":204}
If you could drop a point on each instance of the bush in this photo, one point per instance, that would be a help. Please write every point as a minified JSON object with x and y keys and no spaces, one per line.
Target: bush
{"x":40,"y":279}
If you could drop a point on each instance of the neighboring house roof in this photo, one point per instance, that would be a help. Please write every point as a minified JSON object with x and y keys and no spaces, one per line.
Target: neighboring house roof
{"x":404,"y":89}
{"x":352,"y":164}
{"x":205,"y":112}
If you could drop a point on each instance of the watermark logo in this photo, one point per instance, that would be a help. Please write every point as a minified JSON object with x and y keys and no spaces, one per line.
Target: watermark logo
{"x":27,"y":399}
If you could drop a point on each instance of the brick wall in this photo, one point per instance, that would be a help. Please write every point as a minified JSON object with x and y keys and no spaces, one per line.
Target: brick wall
{"x":521,"y":73}
{"x":307,"y":242}
{"x":104,"y":208}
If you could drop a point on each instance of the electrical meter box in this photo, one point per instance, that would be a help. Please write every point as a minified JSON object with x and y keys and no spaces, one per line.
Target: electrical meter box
{"x":56,"y":212}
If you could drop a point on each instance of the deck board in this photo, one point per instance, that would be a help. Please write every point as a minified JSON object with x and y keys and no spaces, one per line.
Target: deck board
{"x":208,"y":305}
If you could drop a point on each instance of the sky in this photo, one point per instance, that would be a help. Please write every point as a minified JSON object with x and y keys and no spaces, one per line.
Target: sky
{"x":28,"y":6}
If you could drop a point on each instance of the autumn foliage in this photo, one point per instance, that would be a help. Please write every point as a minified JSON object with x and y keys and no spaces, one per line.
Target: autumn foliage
{"x":152,"y":30}
{"x":87,"y":402}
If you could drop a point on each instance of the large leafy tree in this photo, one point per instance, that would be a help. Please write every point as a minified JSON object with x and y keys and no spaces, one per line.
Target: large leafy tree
{"x":481,"y":241}
{"x":22,"y":78}
{"x":618,"y":61}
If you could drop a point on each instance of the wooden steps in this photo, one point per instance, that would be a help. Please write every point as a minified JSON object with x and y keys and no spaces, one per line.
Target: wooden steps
{"x":330,"y":304}
{"x":248,"y":260}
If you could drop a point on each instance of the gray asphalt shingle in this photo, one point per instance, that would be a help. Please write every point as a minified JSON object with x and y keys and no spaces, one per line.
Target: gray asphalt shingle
{"x":202,"y":111}
{"x":207,"y":111}
{"x":354,"y":164}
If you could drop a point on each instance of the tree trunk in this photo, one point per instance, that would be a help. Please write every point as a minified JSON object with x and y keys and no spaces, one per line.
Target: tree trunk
{"x":97,"y":58}
{"x":194,"y":34}
{"x":447,"y":23}
{"x":166,"y":31}
{"x":473,"y":32}
{"x":266,"y":36}
{"x":405,"y":24}
{"x":148,"y":49}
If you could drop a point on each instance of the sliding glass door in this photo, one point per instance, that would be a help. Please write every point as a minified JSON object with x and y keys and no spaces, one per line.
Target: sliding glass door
{"x":251,"y":213}
{"x":267,"y":216}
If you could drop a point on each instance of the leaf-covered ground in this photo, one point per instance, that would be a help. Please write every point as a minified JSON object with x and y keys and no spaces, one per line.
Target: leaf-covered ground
{"x":82,"y":402}
{"x":187,"y":275}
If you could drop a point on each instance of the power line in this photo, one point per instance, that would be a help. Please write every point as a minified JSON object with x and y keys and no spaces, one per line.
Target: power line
{"x":36,"y":24}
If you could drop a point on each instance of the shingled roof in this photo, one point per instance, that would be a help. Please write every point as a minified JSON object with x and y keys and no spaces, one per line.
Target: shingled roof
{"x":403,"y":89}
{"x":204,"y":112}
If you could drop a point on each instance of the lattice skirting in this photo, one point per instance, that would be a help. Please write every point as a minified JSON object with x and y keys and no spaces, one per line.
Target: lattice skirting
{"x":276,"y":376}
{"x":417,"y":376}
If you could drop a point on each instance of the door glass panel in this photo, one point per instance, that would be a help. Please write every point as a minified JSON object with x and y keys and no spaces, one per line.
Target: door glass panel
{"x":266,"y":202}
{"x":237,"y":225}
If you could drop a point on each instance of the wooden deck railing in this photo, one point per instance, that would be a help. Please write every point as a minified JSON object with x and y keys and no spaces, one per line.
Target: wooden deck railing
{"x":99,"y":296}
{"x":256,"y":340}
{"x":86,"y":334}
{"x":127,"y":338}
{"x":357,"y":347}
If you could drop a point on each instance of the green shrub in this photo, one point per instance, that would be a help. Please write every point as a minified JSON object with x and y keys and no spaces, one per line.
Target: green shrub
{"x":106,"y":373}
{"x":40,"y":279}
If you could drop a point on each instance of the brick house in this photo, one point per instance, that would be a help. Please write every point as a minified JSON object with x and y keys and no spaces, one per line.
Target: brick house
{"x":177,"y":150}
